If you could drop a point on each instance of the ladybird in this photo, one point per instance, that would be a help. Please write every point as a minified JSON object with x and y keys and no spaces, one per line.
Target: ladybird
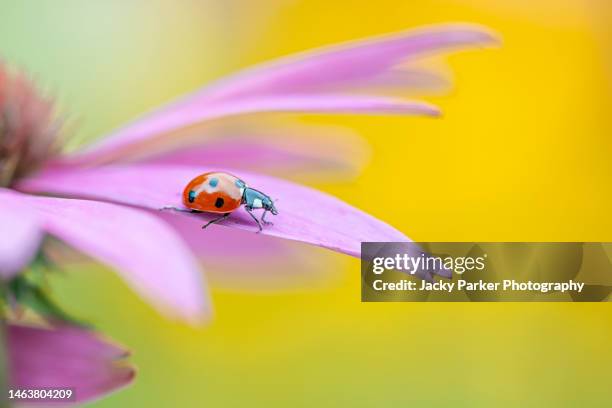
{"x":222,"y":193}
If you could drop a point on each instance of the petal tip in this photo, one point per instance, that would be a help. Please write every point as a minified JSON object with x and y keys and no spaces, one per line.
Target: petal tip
{"x":427,"y":109}
{"x":473,"y":33}
{"x":435,"y":112}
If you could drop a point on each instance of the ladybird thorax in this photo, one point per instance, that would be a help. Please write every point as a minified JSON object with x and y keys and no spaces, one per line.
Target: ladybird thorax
{"x":254,"y":199}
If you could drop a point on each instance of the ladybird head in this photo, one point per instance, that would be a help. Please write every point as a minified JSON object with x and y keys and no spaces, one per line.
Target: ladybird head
{"x":273,"y":210}
{"x":268,"y":204}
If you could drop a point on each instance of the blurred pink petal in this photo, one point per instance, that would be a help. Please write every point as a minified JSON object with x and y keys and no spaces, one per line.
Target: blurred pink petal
{"x":316,"y":154}
{"x":244,"y":154}
{"x":144,"y":250}
{"x":65,"y":357}
{"x":351,"y":62}
{"x":306,"y":214}
{"x":298,"y":83}
{"x":113,"y":146}
{"x":403,"y":81}
{"x":21,"y":236}
{"x":273,"y":145}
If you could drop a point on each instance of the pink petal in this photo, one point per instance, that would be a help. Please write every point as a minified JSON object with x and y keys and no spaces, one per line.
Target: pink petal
{"x":245,"y":155}
{"x":273,"y":263}
{"x":270,"y":145}
{"x":113,"y":146}
{"x":298,"y":83}
{"x":404,"y":81}
{"x":20,"y":238}
{"x":346,"y":63}
{"x":225,"y":243}
{"x":145,"y":251}
{"x":306,"y":214}
{"x":65,"y":357}
{"x":316,"y":154}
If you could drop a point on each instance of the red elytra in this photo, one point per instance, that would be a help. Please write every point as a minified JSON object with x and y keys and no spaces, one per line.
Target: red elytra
{"x":214,"y":192}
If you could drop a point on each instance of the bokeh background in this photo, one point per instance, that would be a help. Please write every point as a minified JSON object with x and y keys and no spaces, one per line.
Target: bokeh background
{"x":522,"y":153}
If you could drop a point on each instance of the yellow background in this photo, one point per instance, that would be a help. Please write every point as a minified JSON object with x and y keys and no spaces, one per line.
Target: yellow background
{"x":521,"y":153}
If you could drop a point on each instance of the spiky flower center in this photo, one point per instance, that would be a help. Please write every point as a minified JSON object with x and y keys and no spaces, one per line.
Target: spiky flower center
{"x":29,"y":128}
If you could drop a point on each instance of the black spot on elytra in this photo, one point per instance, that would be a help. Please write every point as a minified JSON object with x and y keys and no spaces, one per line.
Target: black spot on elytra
{"x":192,"y":196}
{"x":219,"y":202}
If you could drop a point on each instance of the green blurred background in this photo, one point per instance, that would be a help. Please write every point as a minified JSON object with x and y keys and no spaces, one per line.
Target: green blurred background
{"x":522,"y":153}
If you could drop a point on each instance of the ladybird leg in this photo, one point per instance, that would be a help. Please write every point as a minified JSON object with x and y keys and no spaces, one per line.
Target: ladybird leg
{"x":216,"y":220}
{"x":254,"y":217}
{"x":263,"y":219}
{"x":170,"y":207}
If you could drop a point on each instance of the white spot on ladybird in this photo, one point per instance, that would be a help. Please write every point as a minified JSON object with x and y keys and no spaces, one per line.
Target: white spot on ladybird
{"x":225,"y":183}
